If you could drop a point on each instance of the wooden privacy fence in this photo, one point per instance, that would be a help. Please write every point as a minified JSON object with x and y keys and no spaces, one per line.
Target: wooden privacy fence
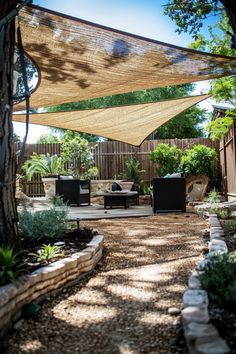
{"x":228,"y":163}
{"x":110,"y":157}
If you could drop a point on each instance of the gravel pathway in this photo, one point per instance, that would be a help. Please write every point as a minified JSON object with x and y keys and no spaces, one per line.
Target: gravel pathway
{"x":122,"y":306}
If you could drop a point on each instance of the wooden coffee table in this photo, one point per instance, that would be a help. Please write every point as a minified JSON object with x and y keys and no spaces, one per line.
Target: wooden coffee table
{"x":116,"y":199}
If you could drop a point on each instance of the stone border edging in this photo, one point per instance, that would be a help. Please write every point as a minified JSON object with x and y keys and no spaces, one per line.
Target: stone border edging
{"x":44,"y":280}
{"x":201,"y":336}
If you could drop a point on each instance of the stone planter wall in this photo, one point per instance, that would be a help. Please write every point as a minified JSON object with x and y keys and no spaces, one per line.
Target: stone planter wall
{"x":201,"y":336}
{"x":45,"y":280}
{"x":100,"y":185}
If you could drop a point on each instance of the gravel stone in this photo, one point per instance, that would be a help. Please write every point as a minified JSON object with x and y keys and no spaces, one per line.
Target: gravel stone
{"x":122,"y":305}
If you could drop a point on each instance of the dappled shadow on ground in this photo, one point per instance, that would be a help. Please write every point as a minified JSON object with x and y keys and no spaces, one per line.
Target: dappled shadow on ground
{"x":122,"y":307}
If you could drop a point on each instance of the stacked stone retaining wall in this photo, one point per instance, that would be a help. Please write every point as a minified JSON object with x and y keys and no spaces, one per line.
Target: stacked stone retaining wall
{"x":38,"y":284}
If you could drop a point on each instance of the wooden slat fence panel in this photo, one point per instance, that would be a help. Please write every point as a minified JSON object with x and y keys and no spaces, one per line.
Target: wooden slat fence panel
{"x":110,"y":157}
{"x":228,"y":163}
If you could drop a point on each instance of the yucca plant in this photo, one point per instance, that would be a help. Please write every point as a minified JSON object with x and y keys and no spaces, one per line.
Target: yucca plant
{"x":44,"y":165}
{"x":132,"y":170}
{"x":47,"y":253}
{"x":10,"y":266}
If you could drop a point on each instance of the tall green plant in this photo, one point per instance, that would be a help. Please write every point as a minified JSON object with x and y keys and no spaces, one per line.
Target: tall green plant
{"x":167,"y":158}
{"x":132,"y":170}
{"x":44,"y":165}
{"x":199,"y":160}
{"x":10,"y":266}
{"x":77,"y":152}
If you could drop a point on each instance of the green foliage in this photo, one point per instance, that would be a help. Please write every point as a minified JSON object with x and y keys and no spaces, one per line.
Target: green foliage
{"x":220,"y":126}
{"x":47,"y":253}
{"x":213,"y":197}
{"x":199,"y":160}
{"x":10,"y":266}
{"x":45,"y":165}
{"x":48,"y":139}
{"x":189,"y":15}
{"x":144,"y":96}
{"x":42,"y":224}
{"x":218,"y":42}
{"x":167,"y":158}
{"x":224,"y":213}
{"x":230,"y":225}
{"x":219,"y":280}
{"x":57,"y":200}
{"x":132,"y":170}
{"x":77,"y":152}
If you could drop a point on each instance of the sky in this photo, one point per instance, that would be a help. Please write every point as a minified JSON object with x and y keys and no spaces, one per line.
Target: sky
{"x":141,"y":17}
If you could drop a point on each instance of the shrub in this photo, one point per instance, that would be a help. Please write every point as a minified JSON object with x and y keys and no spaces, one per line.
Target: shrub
{"x":77,"y":152}
{"x":230,"y":225}
{"x":44,"y":224}
{"x":200,"y":160}
{"x":224,"y":213}
{"x":219,"y":280}
{"x":167,"y":158}
{"x":10,"y":266}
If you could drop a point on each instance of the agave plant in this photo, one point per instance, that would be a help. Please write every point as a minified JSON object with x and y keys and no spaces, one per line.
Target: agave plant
{"x":44,"y":165}
{"x":47,"y":253}
{"x":10,"y":266}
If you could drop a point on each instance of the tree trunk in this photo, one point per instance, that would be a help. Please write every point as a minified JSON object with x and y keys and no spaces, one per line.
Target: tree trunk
{"x":230,"y":9}
{"x":8,"y":210}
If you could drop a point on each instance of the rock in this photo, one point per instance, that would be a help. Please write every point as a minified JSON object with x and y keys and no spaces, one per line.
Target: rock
{"x":202,"y":264}
{"x":19,"y":324}
{"x":173,"y":311}
{"x":175,"y":322}
{"x":218,"y":346}
{"x":195,"y":314}
{"x":194,"y":282}
{"x":195,"y":297}
{"x":194,"y":331}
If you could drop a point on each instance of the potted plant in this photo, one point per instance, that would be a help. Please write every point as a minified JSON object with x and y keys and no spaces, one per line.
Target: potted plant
{"x":48,"y":167}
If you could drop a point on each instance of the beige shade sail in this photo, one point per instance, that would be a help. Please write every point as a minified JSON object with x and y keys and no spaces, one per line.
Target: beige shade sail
{"x":130,"y":124}
{"x":78,"y":60}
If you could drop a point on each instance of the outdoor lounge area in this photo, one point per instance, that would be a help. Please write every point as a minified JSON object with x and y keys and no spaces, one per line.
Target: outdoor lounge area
{"x":117,"y":177}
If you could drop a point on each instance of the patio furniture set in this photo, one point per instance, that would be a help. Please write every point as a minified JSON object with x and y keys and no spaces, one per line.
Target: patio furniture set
{"x":168,"y":194}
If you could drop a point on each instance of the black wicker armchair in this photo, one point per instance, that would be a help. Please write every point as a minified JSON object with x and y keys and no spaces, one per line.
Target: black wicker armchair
{"x":74,"y":191}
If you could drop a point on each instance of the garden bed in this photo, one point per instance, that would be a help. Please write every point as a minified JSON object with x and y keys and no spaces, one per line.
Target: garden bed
{"x":225,"y":320}
{"x":70,"y":242}
{"x":78,"y":258}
